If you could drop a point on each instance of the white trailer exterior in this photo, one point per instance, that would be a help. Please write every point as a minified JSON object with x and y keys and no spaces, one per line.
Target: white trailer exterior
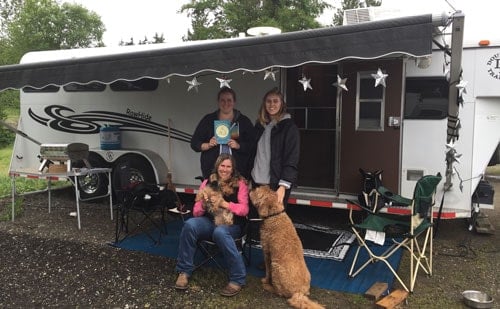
{"x":365,"y":126}
{"x":479,"y":133}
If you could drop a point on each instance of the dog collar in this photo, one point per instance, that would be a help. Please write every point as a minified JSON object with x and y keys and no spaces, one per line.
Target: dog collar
{"x":273,"y":215}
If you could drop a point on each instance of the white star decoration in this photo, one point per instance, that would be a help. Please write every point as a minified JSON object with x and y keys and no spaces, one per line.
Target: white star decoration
{"x":379,"y":78}
{"x":306,"y":83}
{"x":270,"y":73}
{"x":194,"y":83}
{"x":461,"y":87}
{"x":224,"y":82}
{"x":451,"y":153}
{"x":341,"y":83}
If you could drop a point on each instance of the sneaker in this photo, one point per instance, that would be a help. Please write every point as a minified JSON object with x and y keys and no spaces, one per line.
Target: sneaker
{"x":231,"y":289}
{"x":182,"y":281}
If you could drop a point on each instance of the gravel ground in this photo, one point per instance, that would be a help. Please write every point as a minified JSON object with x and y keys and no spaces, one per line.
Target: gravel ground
{"x":47,"y":262}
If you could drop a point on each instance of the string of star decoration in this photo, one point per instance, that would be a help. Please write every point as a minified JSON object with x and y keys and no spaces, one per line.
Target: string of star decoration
{"x":379,"y":77}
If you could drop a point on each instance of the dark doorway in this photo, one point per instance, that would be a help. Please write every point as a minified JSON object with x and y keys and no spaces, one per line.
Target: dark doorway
{"x":314,"y":111}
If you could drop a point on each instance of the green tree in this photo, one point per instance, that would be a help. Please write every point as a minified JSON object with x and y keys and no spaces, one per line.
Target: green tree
{"x":8,"y":9}
{"x":46,"y":25}
{"x":156,"y":39}
{"x":338,"y":17}
{"x":213,"y":19}
{"x":30,"y":25}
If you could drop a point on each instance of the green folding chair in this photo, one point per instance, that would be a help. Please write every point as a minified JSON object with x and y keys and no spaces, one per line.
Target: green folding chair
{"x":412,"y":231}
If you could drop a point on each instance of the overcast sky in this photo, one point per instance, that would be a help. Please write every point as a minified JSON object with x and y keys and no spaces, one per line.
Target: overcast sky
{"x":124,"y":19}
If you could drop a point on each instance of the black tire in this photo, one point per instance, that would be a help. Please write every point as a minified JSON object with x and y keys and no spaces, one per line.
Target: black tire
{"x":93,"y":185}
{"x":139,"y":170}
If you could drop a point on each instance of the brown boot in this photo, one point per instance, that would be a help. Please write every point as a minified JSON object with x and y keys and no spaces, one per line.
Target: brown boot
{"x":182,"y":281}
{"x":231,"y":289}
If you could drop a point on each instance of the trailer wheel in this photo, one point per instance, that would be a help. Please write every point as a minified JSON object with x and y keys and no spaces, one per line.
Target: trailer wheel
{"x":139,"y":170}
{"x":93,"y":185}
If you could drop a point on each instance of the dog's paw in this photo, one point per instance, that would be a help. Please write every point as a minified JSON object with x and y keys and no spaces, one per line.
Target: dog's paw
{"x":268,"y":287}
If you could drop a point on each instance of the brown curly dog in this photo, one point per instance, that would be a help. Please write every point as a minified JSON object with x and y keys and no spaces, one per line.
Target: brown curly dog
{"x":286,"y":271}
{"x":212,"y":199}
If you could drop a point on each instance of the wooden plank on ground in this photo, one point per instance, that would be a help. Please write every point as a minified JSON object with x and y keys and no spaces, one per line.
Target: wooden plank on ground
{"x":376,"y":290}
{"x":395,"y":298}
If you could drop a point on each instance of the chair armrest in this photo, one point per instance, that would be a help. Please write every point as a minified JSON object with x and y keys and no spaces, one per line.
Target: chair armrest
{"x":360,"y":206}
{"x":392,"y":197}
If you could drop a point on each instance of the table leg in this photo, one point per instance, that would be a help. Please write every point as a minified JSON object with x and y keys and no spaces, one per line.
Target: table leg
{"x":110,"y":192}
{"x":13,"y":187}
{"x":49,"y":187}
{"x":77,"y":195}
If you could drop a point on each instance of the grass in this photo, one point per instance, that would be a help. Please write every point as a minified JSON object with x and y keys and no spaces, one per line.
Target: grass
{"x":12,"y":115}
{"x":23,"y":185}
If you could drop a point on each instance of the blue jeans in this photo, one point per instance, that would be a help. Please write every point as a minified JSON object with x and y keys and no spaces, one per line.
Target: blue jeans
{"x":202,"y":228}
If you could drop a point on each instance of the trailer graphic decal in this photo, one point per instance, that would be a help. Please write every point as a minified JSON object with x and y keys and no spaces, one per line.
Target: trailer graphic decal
{"x":494,"y":66}
{"x":64,"y":119}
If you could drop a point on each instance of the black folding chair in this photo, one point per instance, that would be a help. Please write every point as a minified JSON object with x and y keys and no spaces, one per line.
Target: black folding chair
{"x":212,"y":254}
{"x":141,"y":207}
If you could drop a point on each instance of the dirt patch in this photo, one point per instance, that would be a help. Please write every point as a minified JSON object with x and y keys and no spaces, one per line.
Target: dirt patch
{"x":48,"y":262}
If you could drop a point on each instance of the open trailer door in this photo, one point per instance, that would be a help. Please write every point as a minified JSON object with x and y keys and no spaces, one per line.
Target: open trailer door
{"x":370,"y":131}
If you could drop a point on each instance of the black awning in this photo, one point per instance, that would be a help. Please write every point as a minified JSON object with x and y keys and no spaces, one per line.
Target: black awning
{"x":370,"y":40}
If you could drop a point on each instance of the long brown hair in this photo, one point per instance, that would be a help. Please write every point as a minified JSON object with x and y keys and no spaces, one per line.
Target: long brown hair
{"x":231,"y":185}
{"x":264,"y":117}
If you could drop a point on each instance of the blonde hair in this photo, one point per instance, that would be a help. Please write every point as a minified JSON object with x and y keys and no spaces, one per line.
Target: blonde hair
{"x":263,"y":116}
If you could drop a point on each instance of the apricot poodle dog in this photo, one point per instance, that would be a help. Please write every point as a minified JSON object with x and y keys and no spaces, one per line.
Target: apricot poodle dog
{"x":286,"y":271}
{"x":212,"y":201}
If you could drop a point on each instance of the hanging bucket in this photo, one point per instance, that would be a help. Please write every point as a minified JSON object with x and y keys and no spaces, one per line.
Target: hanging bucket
{"x":110,"y":138}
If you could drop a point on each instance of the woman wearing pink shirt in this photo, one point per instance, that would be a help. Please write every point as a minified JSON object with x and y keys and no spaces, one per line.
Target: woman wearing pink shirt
{"x":202,"y":227}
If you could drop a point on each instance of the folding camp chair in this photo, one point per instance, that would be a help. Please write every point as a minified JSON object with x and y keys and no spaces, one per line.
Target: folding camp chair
{"x":141,"y":207}
{"x":412,"y":231}
{"x":211,"y":252}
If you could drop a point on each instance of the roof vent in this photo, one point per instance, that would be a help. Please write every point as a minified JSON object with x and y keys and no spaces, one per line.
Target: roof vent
{"x":260,"y":31}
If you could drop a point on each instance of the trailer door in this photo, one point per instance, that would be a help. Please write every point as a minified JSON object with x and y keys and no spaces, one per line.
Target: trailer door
{"x":368,"y":139}
{"x":314,"y":111}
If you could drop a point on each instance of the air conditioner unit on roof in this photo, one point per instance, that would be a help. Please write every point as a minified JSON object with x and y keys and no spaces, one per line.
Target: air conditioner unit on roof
{"x":360,"y":15}
{"x":356,"y":16}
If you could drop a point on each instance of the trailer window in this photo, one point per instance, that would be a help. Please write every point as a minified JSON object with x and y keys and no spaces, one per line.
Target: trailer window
{"x":91,"y":87}
{"x":426,"y":98}
{"x":312,"y":109}
{"x":369,"y":104}
{"x":49,"y":88}
{"x":143,"y":84}
{"x":313,"y":118}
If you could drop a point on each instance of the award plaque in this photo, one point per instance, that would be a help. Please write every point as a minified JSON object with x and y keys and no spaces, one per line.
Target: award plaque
{"x":221,"y":131}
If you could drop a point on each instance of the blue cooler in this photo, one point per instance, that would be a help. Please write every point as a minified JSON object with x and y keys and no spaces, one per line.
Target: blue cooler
{"x":110,"y":138}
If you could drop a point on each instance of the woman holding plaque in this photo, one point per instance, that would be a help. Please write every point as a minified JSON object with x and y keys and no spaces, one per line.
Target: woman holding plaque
{"x":277,"y":148}
{"x":225,"y":130}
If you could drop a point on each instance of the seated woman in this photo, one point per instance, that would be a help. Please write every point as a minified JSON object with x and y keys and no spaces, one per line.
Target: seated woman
{"x":201,"y":226}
